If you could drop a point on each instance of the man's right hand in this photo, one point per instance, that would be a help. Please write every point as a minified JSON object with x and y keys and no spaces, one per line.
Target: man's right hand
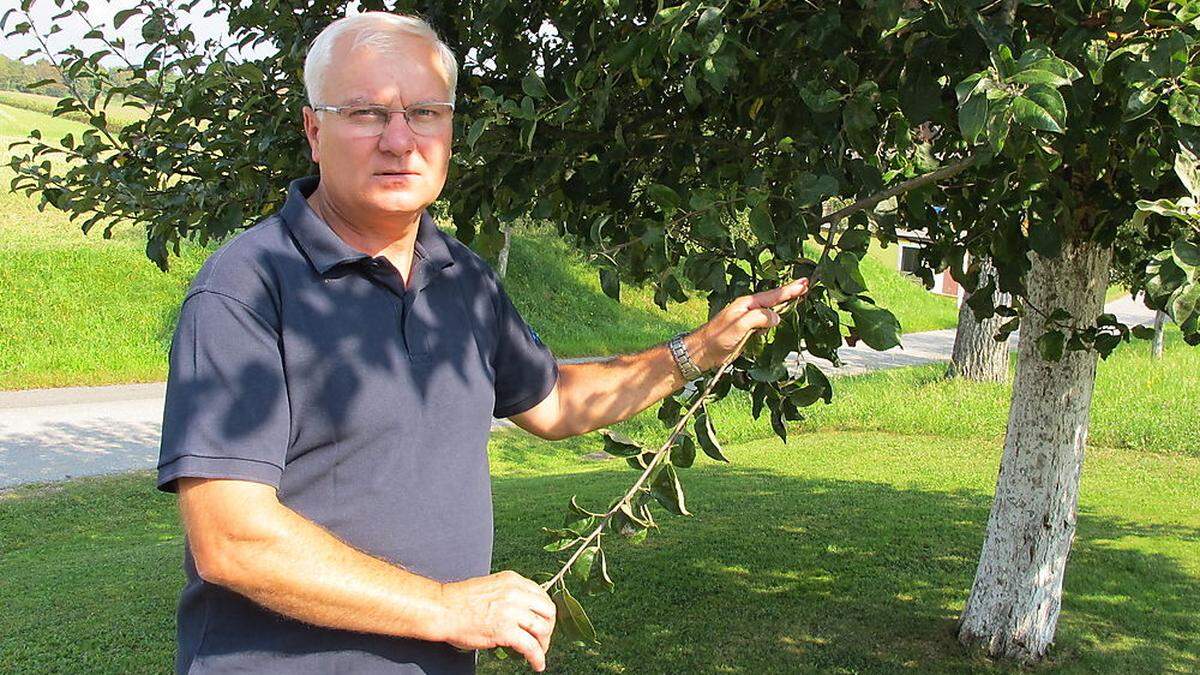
{"x":501,"y":610}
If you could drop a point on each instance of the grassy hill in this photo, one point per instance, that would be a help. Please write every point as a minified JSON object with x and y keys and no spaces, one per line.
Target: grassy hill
{"x":118,"y":115}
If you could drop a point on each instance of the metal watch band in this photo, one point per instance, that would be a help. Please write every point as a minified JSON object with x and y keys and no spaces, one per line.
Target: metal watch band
{"x":683,"y":360}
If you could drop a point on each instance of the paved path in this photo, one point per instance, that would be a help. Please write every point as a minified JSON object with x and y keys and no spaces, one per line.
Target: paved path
{"x":55,"y":434}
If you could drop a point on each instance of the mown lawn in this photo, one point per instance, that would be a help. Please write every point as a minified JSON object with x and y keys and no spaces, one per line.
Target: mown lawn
{"x":851,"y":549}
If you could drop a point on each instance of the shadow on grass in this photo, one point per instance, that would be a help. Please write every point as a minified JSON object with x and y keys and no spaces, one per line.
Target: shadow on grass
{"x":779,"y":574}
{"x":775,"y":574}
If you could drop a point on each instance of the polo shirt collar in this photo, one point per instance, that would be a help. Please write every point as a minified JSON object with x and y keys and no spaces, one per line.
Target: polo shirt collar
{"x":325,"y":250}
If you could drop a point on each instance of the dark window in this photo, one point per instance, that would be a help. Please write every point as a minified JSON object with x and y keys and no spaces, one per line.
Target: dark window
{"x":908,"y":259}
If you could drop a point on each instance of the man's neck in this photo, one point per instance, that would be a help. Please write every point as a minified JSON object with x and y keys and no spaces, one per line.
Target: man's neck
{"x":393,"y":239}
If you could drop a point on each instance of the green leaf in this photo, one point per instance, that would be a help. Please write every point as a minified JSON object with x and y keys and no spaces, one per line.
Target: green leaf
{"x":1041,"y":108}
{"x":124,"y":15}
{"x":761,"y":225}
{"x":668,"y":491}
{"x":707,"y":436}
{"x":690,"y":91}
{"x":1186,"y":306}
{"x":810,"y":189}
{"x":476,"y":130}
{"x":876,"y":326}
{"x":1050,"y":345}
{"x":778,"y":425}
{"x":817,"y":378}
{"x":1167,"y":207}
{"x":683,"y":452}
{"x":1044,"y":77}
{"x":664,"y":197}
{"x":1142,"y":332}
{"x":1186,"y":253}
{"x":1045,"y":237}
{"x":610,"y":283}
{"x":581,"y":569}
{"x":571,"y":621}
{"x":1095,"y":55}
{"x":847,"y":275}
{"x":1187,"y":167}
{"x":620,"y":445}
{"x":997,"y":129}
{"x":598,"y":579}
{"x":1141,"y":101}
{"x":920,"y":93}
{"x":972,"y":116}
{"x":1184,"y":106}
{"x":533,"y":86}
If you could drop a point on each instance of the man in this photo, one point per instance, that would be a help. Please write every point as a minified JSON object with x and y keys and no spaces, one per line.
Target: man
{"x":333,"y":379}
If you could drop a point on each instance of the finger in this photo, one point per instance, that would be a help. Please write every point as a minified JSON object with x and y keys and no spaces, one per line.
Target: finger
{"x":528,"y":647}
{"x":542,"y":605}
{"x":774,"y":296}
{"x":758,"y":318}
{"x":539,"y":628}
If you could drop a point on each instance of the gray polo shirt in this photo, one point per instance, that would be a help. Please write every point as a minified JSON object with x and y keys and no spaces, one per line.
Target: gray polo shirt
{"x":304,"y":364}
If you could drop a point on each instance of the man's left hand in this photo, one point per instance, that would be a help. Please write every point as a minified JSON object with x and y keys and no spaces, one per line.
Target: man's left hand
{"x":710,"y":344}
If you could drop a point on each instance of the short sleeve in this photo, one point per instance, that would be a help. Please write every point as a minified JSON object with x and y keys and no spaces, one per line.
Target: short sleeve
{"x":226,"y":413}
{"x":525,"y":368}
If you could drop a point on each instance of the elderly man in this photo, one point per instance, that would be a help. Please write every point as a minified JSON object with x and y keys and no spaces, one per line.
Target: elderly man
{"x":332,"y":381}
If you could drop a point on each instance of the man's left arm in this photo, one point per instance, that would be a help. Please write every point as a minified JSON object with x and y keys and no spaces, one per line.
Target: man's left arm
{"x":589,"y":396}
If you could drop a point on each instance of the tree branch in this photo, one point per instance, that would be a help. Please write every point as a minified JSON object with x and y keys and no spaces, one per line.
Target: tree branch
{"x":900,"y":188}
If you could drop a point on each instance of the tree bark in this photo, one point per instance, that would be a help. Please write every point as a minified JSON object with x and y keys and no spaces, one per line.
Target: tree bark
{"x":977,"y":356}
{"x":1012,"y":611}
{"x":502,"y":259}
{"x":1156,"y":346}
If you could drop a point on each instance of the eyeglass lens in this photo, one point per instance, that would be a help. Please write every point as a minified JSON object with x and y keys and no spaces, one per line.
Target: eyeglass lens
{"x":423,"y":120}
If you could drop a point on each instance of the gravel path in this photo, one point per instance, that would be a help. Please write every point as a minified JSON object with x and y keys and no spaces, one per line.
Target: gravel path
{"x":56,"y":434}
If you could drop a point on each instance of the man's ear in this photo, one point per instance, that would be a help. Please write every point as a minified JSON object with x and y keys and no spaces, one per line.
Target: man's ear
{"x":312,"y":130}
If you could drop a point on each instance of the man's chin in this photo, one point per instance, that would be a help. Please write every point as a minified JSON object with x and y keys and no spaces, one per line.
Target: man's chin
{"x":391,"y":202}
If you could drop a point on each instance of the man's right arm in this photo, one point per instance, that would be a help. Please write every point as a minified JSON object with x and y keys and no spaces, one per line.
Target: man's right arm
{"x":244,"y":539}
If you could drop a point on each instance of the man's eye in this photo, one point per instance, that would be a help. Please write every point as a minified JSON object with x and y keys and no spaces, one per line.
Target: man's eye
{"x":367,"y":114}
{"x":430,"y":113}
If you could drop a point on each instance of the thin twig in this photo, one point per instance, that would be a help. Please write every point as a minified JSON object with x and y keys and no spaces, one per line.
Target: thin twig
{"x":900,"y":188}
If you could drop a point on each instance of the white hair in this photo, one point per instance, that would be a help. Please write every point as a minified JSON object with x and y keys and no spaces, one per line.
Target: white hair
{"x":378,"y":30}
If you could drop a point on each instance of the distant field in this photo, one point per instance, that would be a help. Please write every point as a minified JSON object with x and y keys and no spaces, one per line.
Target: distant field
{"x":117,"y":115}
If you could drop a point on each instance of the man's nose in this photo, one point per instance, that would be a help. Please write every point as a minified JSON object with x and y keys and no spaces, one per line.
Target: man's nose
{"x":397,"y":137}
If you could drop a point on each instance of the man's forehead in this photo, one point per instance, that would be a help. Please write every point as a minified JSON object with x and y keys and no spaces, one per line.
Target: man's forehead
{"x":411,"y":70}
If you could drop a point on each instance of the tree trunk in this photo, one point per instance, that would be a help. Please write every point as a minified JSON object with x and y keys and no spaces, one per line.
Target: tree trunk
{"x":502,"y":260}
{"x":1156,"y":346}
{"x":1012,"y":611}
{"x":977,"y":356}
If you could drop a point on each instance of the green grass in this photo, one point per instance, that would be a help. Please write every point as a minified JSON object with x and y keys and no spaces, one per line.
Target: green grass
{"x":558,"y":293}
{"x":15,"y":124}
{"x":843,"y":552}
{"x":916,"y":308}
{"x":81,"y":310}
{"x":851,"y":549}
{"x":118,"y":116}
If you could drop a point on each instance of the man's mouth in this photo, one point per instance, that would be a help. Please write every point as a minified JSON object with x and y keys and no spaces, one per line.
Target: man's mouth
{"x":396,"y":173}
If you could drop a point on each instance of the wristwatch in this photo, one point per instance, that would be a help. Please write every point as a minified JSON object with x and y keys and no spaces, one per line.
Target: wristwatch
{"x":683,"y":360}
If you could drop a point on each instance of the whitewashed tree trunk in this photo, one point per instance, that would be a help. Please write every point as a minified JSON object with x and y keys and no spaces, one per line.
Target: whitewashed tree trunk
{"x":1156,"y":346}
{"x":977,"y":356}
{"x":502,"y":259}
{"x":1012,"y":611}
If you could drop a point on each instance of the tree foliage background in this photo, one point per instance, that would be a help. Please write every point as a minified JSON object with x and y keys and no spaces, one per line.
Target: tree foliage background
{"x":708,"y":146}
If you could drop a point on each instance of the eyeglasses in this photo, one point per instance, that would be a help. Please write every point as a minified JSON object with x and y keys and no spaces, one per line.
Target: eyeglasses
{"x":425,"y":119}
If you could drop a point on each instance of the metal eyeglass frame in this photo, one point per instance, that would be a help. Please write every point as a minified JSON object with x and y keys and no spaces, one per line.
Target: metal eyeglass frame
{"x":390,"y":111}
